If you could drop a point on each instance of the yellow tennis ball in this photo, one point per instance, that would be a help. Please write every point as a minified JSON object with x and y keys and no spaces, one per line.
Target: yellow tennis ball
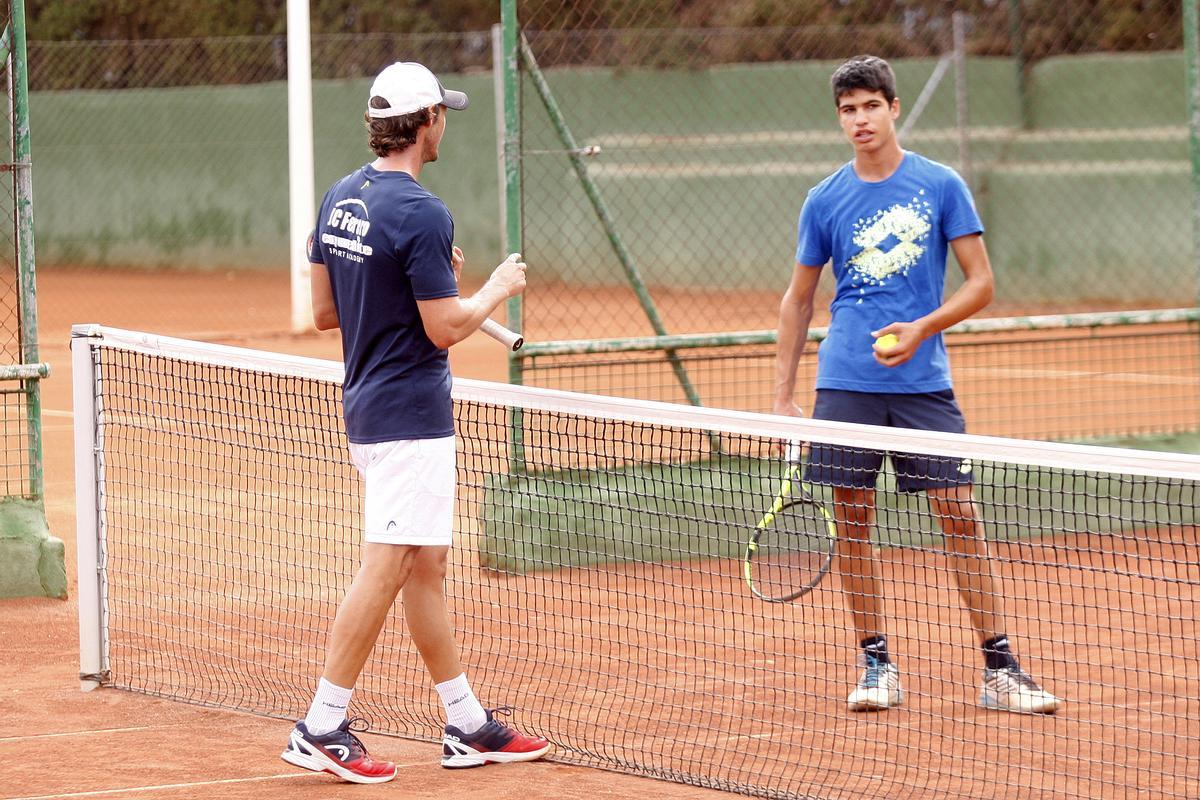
{"x":887,"y":341}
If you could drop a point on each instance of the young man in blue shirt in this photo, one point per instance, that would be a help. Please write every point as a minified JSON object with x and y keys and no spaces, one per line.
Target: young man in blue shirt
{"x":385,"y":271}
{"x":885,"y":221}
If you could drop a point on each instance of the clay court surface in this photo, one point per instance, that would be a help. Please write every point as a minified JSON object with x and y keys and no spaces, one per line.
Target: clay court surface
{"x":58,"y":742}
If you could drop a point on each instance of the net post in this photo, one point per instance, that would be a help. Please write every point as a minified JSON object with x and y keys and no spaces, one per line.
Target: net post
{"x":85,"y":379}
{"x":300,"y":162}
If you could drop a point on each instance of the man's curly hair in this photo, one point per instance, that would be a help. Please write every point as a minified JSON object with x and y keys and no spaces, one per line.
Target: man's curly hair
{"x":389,"y":135}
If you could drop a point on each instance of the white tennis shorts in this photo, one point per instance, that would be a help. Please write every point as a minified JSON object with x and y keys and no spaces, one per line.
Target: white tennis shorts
{"x":408,"y":495}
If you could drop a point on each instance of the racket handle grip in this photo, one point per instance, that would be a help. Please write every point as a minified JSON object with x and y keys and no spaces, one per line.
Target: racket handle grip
{"x":503,"y":335}
{"x":794,"y":452}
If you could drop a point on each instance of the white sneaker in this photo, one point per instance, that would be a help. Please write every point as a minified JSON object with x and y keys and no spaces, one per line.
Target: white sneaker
{"x":1011,"y":689}
{"x":878,"y":687}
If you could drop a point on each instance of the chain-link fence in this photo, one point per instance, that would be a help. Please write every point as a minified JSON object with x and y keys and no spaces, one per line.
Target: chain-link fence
{"x":664,"y":167}
{"x":668,"y":162}
{"x":164,"y":162}
{"x":1068,"y":119}
{"x":31,"y":561}
{"x":707,"y":129}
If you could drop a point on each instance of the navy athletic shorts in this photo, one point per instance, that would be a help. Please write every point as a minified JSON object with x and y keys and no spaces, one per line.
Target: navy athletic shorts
{"x":835,"y":465}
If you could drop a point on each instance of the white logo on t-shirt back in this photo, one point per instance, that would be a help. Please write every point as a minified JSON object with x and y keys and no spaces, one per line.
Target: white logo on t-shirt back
{"x":344,"y":218}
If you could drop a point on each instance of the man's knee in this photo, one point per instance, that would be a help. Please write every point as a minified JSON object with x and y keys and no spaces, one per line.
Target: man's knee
{"x":855,"y":509}
{"x":955,"y":505}
{"x":387,"y":564}
{"x":429,"y":564}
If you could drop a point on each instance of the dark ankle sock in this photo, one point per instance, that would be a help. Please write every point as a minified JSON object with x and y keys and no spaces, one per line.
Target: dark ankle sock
{"x":876,"y":646}
{"x":996,"y":654}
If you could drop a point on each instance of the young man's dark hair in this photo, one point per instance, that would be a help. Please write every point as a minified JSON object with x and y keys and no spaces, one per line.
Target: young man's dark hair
{"x":389,"y":134}
{"x":864,"y":72}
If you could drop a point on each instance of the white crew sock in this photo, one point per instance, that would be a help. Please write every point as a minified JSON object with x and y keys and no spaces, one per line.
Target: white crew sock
{"x":463,"y":710}
{"x":328,"y":709}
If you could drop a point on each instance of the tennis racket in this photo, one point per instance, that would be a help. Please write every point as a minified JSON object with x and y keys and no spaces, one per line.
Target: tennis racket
{"x":792,"y":545}
{"x":503,"y":335}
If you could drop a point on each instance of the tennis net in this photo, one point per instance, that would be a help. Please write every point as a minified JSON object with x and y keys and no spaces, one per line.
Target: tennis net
{"x":596,"y":583}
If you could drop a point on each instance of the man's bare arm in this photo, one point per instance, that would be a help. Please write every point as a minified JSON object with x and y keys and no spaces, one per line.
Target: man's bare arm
{"x":795,"y":315}
{"x":974,"y":295}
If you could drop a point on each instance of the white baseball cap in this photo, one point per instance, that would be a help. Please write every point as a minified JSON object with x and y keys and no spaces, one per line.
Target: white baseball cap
{"x":407,"y":87}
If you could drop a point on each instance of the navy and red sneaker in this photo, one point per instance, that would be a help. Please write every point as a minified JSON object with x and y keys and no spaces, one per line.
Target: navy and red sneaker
{"x":338,"y":752}
{"x":494,"y":743}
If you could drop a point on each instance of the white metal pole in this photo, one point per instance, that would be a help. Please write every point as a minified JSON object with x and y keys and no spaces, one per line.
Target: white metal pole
{"x":87,"y":511}
{"x":300,"y":160}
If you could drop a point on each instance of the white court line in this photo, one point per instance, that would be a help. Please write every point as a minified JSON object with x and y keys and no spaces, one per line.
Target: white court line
{"x":162,"y":787}
{"x":83,"y":733}
{"x":1108,"y":377}
{"x":47,"y":412}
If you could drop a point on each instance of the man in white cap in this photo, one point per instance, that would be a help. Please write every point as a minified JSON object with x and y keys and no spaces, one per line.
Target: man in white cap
{"x":385,"y":271}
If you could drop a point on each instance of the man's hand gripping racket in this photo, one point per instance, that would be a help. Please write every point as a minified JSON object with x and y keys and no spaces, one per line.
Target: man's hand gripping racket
{"x":510,"y":339}
{"x":792,"y":546}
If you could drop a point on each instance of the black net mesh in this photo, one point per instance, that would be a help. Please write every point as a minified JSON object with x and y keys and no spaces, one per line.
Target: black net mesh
{"x":597,"y":585}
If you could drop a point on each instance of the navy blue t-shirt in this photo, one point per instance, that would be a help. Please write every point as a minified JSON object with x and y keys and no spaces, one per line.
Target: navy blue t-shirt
{"x":386,"y":242}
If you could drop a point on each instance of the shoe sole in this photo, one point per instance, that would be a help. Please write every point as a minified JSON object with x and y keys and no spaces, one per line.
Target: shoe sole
{"x":868,"y":705}
{"x":466,"y":761}
{"x":860,"y":707}
{"x":993,"y":704}
{"x":318,"y":763}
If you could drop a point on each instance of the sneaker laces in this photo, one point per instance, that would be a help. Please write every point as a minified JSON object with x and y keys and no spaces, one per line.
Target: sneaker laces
{"x":505,"y":711}
{"x":874,"y":671}
{"x":1022,"y":678}
{"x":357,"y":725}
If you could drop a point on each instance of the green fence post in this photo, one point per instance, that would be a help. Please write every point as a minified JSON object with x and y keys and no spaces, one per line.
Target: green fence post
{"x":513,"y":223}
{"x":25,"y":253}
{"x":1016,"y":27}
{"x":32,"y":562}
{"x":1191,"y":47}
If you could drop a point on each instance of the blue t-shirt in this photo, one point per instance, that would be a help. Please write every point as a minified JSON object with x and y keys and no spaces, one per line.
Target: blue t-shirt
{"x":386,"y":243}
{"x":888,"y":241}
